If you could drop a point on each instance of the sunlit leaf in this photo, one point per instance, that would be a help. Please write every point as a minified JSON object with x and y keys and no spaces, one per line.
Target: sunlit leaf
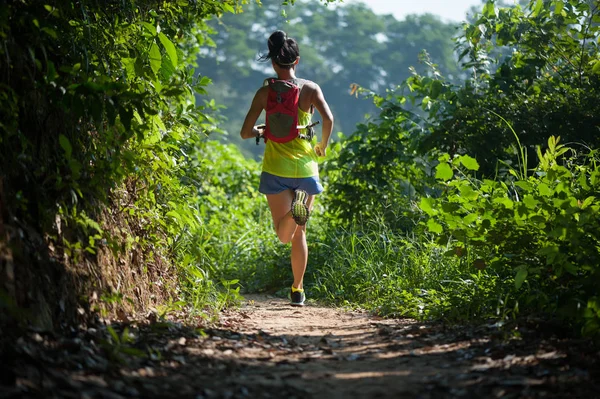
{"x":537,"y":8}
{"x":469,"y":162}
{"x":489,"y":10}
{"x":544,"y":190}
{"x":558,"y":7}
{"x":530,"y":201}
{"x":149,"y":27}
{"x":169,"y":47}
{"x":507,"y":202}
{"x":155,"y":58}
{"x":427,"y":205}
{"x":434,"y":226}
{"x":443,"y":172}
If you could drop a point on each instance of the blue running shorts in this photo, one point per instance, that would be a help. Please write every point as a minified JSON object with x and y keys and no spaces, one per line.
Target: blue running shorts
{"x":271,"y":184}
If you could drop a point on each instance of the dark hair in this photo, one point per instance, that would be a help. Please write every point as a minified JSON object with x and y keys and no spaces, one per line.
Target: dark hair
{"x":283,"y":50}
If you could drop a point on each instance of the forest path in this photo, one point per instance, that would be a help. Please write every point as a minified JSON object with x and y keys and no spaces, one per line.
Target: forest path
{"x":268,"y":349}
{"x":324,"y":352}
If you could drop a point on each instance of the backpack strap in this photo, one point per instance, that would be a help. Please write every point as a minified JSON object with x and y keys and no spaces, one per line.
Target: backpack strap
{"x":298,"y":82}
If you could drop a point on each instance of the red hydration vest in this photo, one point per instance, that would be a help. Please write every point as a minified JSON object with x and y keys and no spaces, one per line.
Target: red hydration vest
{"x":282,"y":110}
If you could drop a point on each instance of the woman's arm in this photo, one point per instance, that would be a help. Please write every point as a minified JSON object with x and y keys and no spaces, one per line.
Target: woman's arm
{"x":323,"y":108}
{"x":248,"y":130}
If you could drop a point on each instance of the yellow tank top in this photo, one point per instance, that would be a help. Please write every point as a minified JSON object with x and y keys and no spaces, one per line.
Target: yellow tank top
{"x":294,"y":159}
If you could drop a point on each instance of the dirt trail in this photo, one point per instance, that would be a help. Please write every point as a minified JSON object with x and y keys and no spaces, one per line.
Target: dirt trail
{"x":268,"y":349}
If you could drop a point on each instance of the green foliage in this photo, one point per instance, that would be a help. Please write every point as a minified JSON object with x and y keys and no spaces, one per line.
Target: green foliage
{"x":102,"y":120}
{"x":395,"y":274}
{"x":458,"y":201}
{"x":535,"y":67}
{"x":366,"y":178}
{"x":235,"y":236}
{"x":380,"y":163}
{"x":521,"y":232}
{"x":541,"y":229}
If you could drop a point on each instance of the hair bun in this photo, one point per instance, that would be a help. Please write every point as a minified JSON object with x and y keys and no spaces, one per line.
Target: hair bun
{"x":283,"y":50}
{"x":276,"y":41}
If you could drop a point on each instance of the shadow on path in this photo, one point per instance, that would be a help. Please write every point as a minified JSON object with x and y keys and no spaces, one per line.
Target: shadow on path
{"x":270,"y":350}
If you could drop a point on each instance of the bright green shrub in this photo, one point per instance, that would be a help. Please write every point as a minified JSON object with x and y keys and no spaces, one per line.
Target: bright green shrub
{"x":540,"y":227}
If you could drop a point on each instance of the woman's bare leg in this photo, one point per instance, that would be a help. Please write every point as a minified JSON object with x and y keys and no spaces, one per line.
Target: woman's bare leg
{"x":288,"y":231}
{"x":281,"y":205}
{"x":299,"y":256}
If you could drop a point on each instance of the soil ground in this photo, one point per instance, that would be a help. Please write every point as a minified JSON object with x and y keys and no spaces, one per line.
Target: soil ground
{"x":267,"y":349}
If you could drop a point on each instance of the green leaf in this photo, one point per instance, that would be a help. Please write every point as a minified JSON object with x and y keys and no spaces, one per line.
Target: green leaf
{"x":591,"y":328}
{"x":507,"y":202}
{"x":520,"y":277}
{"x":436,"y":89}
{"x":544,"y":190}
{"x":175,"y":215}
{"x":434,"y":226}
{"x":158,"y":123}
{"x":469,"y":162}
{"x":596,"y":67}
{"x":169,"y":47}
{"x":594,"y":305}
{"x":155,"y":58}
{"x":467,"y":192}
{"x":489,"y":10}
{"x":66,"y":145}
{"x":50,"y":32}
{"x":587,"y":202}
{"x":558,"y":7}
{"x":537,"y":8}
{"x":595,"y":177}
{"x":549,"y":249}
{"x":443,"y":172}
{"x":133,"y":351}
{"x":129,"y":64}
{"x":75,"y":169}
{"x":450,"y":207}
{"x":113,"y":335}
{"x":150,"y":28}
{"x":524,"y":185}
{"x":530,"y":202}
{"x":470,"y":218}
{"x":166,"y":71}
{"x":205,"y":81}
{"x":426,"y":206}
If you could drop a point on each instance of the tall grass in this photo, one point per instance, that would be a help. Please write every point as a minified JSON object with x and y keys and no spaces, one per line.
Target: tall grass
{"x":400,"y":274}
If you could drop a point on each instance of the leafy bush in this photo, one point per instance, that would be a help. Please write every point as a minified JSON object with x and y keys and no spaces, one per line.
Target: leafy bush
{"x":540,"y":227}
{"x":100,"y":109}
{"x":528,"y":65}
{"x":521,"y":232}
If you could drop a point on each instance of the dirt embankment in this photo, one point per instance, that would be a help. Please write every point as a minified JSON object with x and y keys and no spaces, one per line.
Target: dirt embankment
{"x":268,"y":349}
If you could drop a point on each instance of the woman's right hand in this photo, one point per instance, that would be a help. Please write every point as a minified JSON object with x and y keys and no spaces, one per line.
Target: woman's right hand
{"x":321,"y":149}
{"x":258,"y":130}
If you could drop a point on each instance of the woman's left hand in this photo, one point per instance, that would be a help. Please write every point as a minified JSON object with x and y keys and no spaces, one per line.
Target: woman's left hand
{"x":321,"y":149}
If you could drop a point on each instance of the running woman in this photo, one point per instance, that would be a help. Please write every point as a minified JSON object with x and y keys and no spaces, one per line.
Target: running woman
{"x":290,"y":170}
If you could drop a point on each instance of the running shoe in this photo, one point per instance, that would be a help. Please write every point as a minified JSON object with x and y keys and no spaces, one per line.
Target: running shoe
{"x":300,"y":211}
{"x":297,"y":297}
